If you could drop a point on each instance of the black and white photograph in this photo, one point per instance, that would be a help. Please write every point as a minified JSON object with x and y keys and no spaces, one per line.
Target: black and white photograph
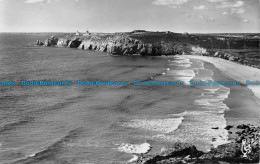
{"x":129,"y":81}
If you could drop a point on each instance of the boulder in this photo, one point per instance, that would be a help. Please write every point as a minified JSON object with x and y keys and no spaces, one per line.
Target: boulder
{"x":179,"y":149}
{"x":228,"y":127}
{"x":226,"y":56}
{"x":242,"y":126}
{"x":51,"y":42}
{"x":231,"y":58}
{"x":215,"y":54}
{"x":39,"y":43}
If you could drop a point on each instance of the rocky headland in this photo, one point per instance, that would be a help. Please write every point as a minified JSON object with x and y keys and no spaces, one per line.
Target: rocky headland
{"x":243,"y":49}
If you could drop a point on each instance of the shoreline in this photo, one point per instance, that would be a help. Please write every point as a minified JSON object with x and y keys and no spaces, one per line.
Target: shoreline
{"x":240,"y":133}
{"x":236,"y":71}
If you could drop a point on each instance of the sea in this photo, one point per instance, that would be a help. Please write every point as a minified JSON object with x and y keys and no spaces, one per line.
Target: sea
{"x":108,"y":124}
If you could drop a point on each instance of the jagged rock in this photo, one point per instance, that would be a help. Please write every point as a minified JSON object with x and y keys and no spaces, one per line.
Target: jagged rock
{"x":125,"y":50}
{"x":143,"y":51}
{"x":228,"y":127}
{"x":226,"y":56}
{"x":172,"y":154}
{"x":63,"y":42}
{"x":88,"y":44}
{"x":207,"y":156}
{"x":231,"y":58}
{"x":39,"y":43}
{"x":81,"y":46}
{"x":179,"y":149}
{"x":167,"y":49}
{"x":74,"y":43}
{"x":51,"y":42}
{"x":221,"y":55}
{"x":242,"y":126}
{"x":227,"y":153}
{"x":103,"y":47}
{"x":116,"y":50}
{"x":236,"y":59}
{"x":229,"y":150}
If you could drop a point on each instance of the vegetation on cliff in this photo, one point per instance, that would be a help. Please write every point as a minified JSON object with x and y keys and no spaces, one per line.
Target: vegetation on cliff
{"x":238,"y":48}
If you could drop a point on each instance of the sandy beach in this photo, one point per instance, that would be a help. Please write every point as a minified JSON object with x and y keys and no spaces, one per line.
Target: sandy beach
{"x":236,"y":71}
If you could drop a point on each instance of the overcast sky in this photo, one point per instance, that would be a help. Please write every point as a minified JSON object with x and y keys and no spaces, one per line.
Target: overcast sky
{"x":197,"y":16}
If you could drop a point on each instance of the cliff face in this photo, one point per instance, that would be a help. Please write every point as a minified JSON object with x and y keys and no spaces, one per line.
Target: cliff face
{"x":243,"y":50}
{"x":62,"y":42}
{"x":123,"y":44}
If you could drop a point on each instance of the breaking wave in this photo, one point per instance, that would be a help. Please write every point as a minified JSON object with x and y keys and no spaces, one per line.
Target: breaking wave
{"x":167,"y":125}
{"x":135,"y":148}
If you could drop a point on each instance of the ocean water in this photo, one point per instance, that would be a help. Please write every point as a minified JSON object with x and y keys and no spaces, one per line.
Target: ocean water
{"x":107,"y":124}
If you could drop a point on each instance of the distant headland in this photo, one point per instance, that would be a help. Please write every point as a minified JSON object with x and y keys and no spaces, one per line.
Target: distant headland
{"x":241,"y":48}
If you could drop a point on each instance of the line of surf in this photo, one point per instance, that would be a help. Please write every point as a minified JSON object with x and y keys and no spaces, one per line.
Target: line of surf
{"x":236,"y":71}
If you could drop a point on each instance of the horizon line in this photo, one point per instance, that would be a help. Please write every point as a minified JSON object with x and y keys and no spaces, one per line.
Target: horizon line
{"x":129,"y":31}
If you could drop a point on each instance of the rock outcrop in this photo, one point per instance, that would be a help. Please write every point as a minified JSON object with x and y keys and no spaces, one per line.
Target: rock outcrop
{"x":63,"y":42}
{"x":245,"y":149}
{"x":51,"y":42}
{"x":39,"y":43}
{"x":158,"y":43}
{"x":74,"y":43}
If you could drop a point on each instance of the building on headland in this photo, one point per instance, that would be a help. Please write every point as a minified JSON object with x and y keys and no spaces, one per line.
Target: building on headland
{"x":87,"y":33}
{"x":77,"y":33}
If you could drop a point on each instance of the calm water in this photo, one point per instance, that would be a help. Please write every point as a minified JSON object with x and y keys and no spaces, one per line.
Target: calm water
{"x":92,"y":124}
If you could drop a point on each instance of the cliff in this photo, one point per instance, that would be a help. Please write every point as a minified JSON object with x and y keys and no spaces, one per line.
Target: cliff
{"x":241,"y":49}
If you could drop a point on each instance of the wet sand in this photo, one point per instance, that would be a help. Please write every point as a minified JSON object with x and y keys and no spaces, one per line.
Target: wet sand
{"x":243,"y":101}
{"x":236,"y":71}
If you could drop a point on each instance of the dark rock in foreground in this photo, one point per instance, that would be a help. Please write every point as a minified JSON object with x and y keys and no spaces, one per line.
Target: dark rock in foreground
{"x":244,"y":151}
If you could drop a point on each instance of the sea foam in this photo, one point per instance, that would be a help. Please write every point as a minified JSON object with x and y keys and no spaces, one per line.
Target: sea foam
{"x":207,"y":123}
{"x":135,"y":148}
{"x":183,"y":75}
{"x":167,"y":125}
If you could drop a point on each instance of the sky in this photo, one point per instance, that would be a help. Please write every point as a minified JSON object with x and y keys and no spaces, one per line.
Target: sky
{"x":192,"y":16}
